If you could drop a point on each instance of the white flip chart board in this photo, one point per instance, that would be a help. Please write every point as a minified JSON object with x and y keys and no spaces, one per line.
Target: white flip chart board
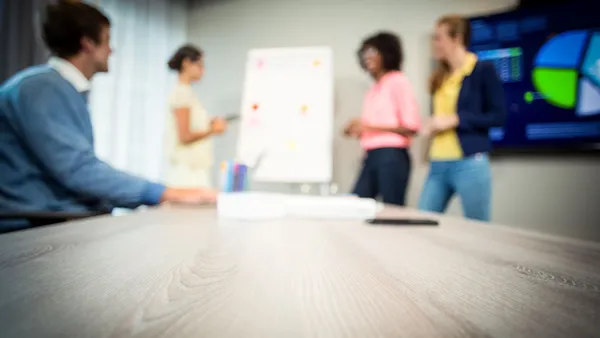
{"x":286,"y":130}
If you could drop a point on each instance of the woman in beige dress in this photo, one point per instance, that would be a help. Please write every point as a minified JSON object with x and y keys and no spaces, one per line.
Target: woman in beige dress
{"x":189,"y":128}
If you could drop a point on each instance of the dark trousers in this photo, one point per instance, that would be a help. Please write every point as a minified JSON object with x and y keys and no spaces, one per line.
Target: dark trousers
{"x":385,"y":173}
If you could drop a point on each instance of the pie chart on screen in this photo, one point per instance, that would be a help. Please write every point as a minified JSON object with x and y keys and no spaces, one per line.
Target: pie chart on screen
{"x":567,"y":71}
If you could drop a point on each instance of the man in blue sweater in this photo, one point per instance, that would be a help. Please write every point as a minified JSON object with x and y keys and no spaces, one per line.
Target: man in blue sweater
{"x":47,"y":159}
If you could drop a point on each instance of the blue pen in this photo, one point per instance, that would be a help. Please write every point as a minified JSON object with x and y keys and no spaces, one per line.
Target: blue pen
{"x":228,"y":187}
{"x":241,"y":179}
{"x":236,"y":177}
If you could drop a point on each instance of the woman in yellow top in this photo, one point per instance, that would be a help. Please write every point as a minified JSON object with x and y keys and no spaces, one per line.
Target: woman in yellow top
{"x":190,"y":129}
{"x":468,"y":100}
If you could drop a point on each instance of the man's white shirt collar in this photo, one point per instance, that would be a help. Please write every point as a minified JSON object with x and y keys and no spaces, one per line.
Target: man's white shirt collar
{"x":70,"y":73}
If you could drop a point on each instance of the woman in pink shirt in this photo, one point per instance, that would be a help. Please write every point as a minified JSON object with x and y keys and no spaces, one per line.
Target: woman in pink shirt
{"x":390,"y":117}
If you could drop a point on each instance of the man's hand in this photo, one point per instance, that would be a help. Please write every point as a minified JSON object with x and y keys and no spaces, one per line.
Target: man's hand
{"x":189,"y":196}
{"x":218,"y":125}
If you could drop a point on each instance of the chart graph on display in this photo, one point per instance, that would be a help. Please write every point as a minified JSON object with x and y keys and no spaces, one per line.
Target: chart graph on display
{"x":548,"y":61}
{"x":567,"y":71}
{"x":287,"y":115}
{"x":508,"y":62}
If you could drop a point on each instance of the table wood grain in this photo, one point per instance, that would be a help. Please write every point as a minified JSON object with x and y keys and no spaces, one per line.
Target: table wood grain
{"x":182,"y":272}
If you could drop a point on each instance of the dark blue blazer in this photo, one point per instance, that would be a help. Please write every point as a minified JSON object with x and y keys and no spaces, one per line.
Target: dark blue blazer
{"x":481,"y":105}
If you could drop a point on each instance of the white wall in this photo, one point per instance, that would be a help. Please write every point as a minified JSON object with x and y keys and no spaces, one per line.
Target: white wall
{"x":527,"y":191}
{"x":129,"y":103}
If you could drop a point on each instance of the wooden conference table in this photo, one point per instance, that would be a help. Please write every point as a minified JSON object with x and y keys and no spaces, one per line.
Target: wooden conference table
{"x":181,"y":272}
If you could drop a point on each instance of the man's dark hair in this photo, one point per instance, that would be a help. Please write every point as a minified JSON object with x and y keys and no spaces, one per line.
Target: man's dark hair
{"x":65,"y":23}
{"x":389,"y":47}
{"x":189,"y":52}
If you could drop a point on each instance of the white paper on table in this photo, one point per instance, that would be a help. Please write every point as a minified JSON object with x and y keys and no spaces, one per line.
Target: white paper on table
{"x":259,"y":206}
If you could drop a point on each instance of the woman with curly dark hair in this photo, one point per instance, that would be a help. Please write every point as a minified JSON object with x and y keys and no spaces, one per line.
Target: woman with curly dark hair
{"x":390,"y":117}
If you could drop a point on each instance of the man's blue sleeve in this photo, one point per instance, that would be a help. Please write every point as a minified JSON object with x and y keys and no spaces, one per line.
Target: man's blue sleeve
{"x":46,"y":121}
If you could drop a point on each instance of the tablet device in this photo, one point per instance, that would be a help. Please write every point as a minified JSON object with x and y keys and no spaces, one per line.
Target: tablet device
{"x":403,"y":221}
{"x":231,"y":118}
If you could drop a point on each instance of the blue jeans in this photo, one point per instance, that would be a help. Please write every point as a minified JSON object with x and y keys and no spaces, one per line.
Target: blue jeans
{"x":385,"y":173}
{"x":469,"y":178}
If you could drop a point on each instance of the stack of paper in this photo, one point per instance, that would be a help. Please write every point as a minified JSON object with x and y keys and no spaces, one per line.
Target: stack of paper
{"x":258,"y":205}
{"x":330,"y":207}
{"x":250,"y":205}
